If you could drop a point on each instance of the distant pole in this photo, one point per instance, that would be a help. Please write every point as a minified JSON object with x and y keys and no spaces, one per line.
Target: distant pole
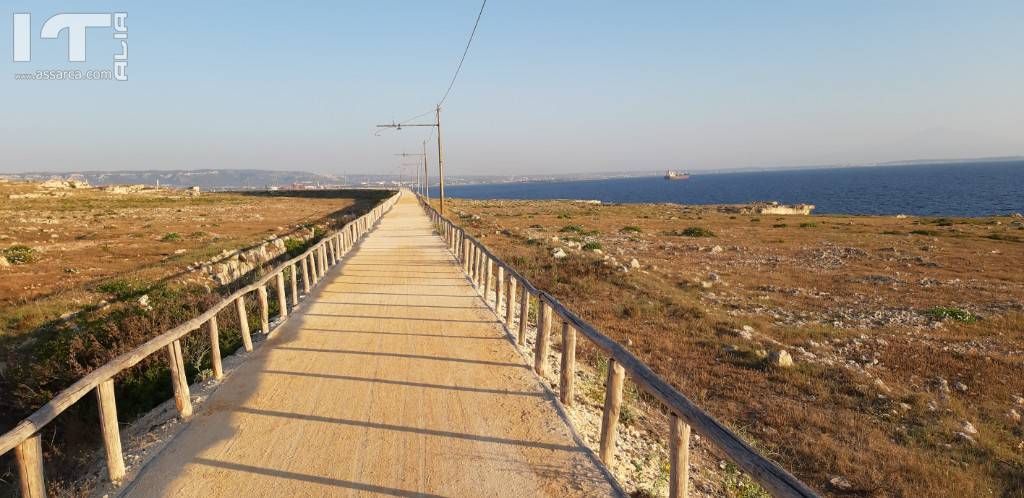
{"x":440,"y":159}
{"x":426,"y":182}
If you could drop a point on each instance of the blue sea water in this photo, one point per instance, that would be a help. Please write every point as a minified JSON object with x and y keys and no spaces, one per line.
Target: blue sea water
{"x":949,"y":189}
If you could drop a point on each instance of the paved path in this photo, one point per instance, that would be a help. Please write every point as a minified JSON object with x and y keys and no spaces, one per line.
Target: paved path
{"x":392,"y":379}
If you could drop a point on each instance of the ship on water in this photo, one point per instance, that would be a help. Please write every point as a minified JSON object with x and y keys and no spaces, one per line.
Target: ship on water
{"x":675,"y":175}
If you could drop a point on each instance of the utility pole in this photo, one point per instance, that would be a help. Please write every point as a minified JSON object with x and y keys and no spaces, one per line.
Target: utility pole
{"x":424,"y":154}
{"x":426,"y":178}
{"x":440,"y":158}
{"x":440,"y":148}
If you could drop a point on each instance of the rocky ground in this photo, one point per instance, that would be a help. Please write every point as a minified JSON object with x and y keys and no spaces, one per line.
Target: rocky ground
{"x":64,"y":246}
{"x":872,"y":356}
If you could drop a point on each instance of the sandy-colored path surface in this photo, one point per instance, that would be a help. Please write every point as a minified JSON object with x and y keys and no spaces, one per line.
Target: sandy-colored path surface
{"x":394,"y":379}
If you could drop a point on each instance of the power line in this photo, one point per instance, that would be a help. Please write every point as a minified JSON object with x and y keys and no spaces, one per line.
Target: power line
{"x":464,"y":52}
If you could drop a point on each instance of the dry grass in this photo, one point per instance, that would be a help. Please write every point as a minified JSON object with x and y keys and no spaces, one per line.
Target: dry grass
{"x":868,"y":306}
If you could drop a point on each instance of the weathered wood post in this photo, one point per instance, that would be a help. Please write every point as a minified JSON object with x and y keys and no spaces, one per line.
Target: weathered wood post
{"x":111,"y":431}
{"x":487,"y":280}
{"x":295,"y":285}
{"x":282,"y":301}
{"x":679,"y":457}
{"x":612,"y":406}
{"x":510,"y":298}
{"x":312,"y":267}
{"x":261,"y":291}
{"x":524,"y":314}
{"x":29,"y":457}
{"x":178,"y":380}
{"x":305,"y":275}
{"x":567,"y":381}
{"x":479,"y":266}
{"x":465,"y":256}
{"x":243,"y":323}
{"x":499,"y":286}
{"x":215,"y":362}
{"x":543,"y":345}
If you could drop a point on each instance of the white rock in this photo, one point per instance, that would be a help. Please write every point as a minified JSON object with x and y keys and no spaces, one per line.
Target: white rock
{"x":633,"y":263}
{"x":960,"y":386}
{"x":968,"y":428}
{"x":716,"y":249}
{"x":1013,"y":415}
{"x":780,"y":358}
{"x":558,"y":253}
{"x":4,"y":263}
{"x":965,"y":437}
{"x":840,"y":483}
{"x":144,"y":301}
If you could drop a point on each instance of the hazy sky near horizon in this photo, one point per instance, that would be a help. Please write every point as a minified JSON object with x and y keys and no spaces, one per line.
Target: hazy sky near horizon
{"x":548,"y":87}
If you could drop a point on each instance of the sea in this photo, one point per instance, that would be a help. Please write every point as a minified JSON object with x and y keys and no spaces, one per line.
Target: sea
{"x":947,"y":189}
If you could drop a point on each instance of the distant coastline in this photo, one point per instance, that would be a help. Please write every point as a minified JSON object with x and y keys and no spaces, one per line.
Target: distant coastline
{"x":933,"y":189}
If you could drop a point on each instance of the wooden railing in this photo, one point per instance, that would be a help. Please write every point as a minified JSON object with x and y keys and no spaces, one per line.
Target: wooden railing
{"x":25,"y":438}
{"x":479,"y":264}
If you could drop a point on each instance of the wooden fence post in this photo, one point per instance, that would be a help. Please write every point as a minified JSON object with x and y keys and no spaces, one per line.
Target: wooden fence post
{"x":295,"y":285}
{"x":305,"y":275}
{"x":29,"y":456}
{"x":111,"y":431}
{"x":679,"y":457}
{"x":543,"y":345}
{"x":479,"y":266}
{"x":465,"y":256}
{"x":510,"y":298}
{"x":282,"y":301}
{"x":261,"y":291}
{"x":499,"y":286}
{"x":312,"y":268}
{"x":567,"y":382}
{"x":487,"y":280}
{"x":178,"y":379}
{"x":524,"y":314}
{"x":215,"y":362}
{"x":612,"y":406}
{"x":243,"y":323}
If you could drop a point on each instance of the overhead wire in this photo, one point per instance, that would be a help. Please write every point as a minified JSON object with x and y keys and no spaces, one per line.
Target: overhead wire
{"x":464,"y":52}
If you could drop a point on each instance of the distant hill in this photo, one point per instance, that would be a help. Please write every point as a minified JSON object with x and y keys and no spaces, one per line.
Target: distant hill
{"x":207,"y":178}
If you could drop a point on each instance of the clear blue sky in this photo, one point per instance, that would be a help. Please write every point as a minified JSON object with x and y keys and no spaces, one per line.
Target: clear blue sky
{"x":547,"y":86}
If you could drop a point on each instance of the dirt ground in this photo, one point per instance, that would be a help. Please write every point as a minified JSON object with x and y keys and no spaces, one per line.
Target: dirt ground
{"x":906,"y":332}
{"x":79,"y":238}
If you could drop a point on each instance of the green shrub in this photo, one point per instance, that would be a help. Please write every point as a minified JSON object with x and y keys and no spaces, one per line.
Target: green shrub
{"x":808,"y":224}
{"x":121,"y":288}
{"x":571,"y":229}
{"x":930,"y":233}
{"x":630,"y":229}
{"x":695,"y":232}
{"x":294,"y":246}
{"x":591,"y":246}
{"x":779,"y":225}
{"x":20,"y":255}
{"x":171,"y":237}
{"x":944,"y":312}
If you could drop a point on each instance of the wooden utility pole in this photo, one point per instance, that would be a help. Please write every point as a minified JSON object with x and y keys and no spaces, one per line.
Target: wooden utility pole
{"x":440,"y":148}
{"x":426,"y":177}
{"x":440,"y":160}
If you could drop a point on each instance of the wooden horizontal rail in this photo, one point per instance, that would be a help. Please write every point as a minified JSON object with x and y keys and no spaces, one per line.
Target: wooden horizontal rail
{"x":684,"y":414}
{"x":32,"y":424}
